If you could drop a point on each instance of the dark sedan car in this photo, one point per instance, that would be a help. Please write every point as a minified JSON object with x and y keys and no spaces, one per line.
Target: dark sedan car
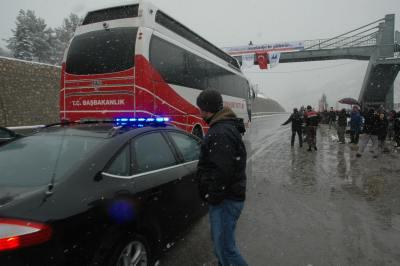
{"x":96,"y":194}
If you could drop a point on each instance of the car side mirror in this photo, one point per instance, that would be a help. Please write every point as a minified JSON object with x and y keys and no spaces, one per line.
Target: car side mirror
{"x":6,"y":133}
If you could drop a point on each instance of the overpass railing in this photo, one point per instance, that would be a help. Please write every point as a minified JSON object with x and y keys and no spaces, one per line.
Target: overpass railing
{"x":363,"y":36}
{"x":345,"y":42}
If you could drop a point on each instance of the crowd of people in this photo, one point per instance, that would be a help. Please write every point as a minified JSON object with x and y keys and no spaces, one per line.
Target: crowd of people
{"x":377,"y":126}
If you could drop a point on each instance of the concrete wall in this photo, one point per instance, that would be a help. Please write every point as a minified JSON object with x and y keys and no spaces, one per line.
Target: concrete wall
{"x":28,"y":93}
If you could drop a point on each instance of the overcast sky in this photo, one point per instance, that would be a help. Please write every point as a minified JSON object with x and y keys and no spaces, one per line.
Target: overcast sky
{"x":236,"y":22}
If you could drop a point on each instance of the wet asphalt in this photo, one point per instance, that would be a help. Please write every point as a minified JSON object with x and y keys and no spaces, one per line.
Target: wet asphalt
{"x":324,"y":207}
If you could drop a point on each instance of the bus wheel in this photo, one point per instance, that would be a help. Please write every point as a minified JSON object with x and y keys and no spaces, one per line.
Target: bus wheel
{"x":197,"y":132}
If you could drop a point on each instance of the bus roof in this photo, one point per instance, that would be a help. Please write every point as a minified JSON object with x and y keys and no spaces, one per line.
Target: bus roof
{"x":166,"y":21}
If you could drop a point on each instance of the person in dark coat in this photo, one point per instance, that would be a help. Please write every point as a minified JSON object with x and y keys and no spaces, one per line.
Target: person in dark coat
{"x":332,"y":117}
{"x":312,"y":120}
{"x":355,"y":125}
{"x":297,"y":126}
{"x":369,"y":133}
{"x":342,"y":124}
{"x":382,"y":131}
{"x":222,"y":174}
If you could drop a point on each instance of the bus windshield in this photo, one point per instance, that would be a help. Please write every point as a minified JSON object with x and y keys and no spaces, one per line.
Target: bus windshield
{"x":104,"y":51}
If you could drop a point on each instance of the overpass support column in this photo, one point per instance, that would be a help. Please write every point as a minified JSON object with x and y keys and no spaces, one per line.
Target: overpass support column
{"x":389,"y":103}
{"x":386,"y":37}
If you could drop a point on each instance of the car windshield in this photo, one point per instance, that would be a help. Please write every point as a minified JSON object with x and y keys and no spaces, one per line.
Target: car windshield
{"x":32,"y":161}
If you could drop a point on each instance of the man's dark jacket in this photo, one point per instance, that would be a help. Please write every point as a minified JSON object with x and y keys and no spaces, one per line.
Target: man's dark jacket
{"x":342,"y":119}
{"x":370,"y":123}
{"x":297,"y":121}
{"x":332,"y":115}
{"x":382,"y":128}
{"x":222,"y":163}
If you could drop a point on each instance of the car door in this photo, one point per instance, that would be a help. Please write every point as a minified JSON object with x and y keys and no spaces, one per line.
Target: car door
{"x":188,"y":149}
{"x":156,"y":169}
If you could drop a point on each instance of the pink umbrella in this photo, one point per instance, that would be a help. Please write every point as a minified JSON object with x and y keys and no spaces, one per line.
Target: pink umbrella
{"x":350,"y":101}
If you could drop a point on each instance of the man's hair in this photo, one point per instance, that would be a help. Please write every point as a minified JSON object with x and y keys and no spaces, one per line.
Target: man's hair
{"x":210,"y":101}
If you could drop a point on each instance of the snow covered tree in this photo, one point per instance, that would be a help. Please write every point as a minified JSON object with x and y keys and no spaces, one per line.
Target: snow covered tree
{"x":63,"y":35}
{"x":31,"y":38}
{"x":3,"y":52}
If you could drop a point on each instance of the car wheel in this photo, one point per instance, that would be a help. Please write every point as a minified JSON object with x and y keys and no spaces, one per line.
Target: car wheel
{"x":133,"y":251}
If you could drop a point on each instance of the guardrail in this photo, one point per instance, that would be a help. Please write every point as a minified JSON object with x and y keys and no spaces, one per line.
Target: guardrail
{"x":264,"y":114}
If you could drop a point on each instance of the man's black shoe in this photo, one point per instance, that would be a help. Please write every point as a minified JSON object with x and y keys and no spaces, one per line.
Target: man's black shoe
{"x":315,"y":148}
{"x":309,"y":149}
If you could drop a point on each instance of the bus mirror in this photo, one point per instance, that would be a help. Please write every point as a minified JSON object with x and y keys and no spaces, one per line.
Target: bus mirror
{"x":253,"y":94}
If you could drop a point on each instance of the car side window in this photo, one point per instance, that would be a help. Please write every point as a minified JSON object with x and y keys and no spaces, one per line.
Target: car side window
{"x":151,"y":152}
{"x":189,"y":147}
{"x":121,"y":163}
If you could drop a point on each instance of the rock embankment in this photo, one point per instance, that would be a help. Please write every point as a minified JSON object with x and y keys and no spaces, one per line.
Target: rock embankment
{"x":262,"y":105}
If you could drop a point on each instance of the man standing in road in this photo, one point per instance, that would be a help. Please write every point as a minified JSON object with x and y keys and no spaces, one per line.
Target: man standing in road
{"x":222,"y":174}
{"x":312,"y":120}
{"x":332,"y":118}
{"x":370,"y":133}
{"x":297,"y":123}
{"x":341,"y":126}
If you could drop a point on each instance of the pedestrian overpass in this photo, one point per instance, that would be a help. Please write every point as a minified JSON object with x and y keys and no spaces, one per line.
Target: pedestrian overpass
{"x":377,"y":42}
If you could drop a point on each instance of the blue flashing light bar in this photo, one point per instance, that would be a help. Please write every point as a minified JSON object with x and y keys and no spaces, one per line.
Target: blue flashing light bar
{"x":140,"y":122}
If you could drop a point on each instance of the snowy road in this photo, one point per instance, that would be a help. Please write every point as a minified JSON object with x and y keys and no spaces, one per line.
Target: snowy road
{"x":308,"y":208}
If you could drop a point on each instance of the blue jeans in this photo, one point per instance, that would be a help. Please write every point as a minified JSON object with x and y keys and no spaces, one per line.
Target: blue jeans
{"x":223,"y":218}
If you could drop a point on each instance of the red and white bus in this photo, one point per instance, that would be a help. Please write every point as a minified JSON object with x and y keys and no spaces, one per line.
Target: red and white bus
{"x":136,"y":61}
